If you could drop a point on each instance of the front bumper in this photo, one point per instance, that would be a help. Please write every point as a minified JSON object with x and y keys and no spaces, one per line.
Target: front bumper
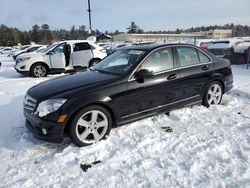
{"x":55,"y":131}
{"x":26,"y":73}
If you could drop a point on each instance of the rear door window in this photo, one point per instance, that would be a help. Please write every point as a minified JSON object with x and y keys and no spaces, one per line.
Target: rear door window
{"x":187,"y":56}
{"x":81,"y":47}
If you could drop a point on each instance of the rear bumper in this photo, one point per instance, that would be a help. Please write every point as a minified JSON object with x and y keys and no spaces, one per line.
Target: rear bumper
{"x":54,"y":131}
{"x":228,"y":87}
{"x":228,"y":82}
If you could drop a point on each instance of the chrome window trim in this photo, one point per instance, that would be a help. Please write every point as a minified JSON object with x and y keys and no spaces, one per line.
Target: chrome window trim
{"x":177,"y":68}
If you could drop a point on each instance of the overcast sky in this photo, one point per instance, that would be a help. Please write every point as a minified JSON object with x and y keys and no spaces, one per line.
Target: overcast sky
{"x":117,"y":14}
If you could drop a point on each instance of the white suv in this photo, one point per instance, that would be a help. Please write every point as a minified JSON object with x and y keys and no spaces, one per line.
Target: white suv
{"x":6,"y":50}
{"x":83,"y":54}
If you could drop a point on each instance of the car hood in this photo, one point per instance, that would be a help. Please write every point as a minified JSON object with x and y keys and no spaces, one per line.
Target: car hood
{"x":30,"y":54}
{"x":80,"y":81}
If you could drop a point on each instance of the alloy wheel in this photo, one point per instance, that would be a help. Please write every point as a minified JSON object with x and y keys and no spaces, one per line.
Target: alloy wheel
{"x":92,"y":126}
{"x":40,"y":71}
{"x":214,"y":94}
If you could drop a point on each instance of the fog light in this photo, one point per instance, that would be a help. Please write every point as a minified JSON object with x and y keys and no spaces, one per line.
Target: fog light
{"x":22,"y":67}
{"x":44,"y":131}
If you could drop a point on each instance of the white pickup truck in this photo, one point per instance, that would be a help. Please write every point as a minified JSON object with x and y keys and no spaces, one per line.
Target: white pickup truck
{"x":52,"y":59}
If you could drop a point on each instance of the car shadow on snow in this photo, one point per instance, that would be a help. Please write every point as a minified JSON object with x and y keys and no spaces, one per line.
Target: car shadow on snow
{"x":10,"y":74}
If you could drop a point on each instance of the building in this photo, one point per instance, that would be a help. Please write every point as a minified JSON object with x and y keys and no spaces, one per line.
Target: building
{"x":222,"y":33}
{"x":215,"y":34}
{"x":156,"y":37}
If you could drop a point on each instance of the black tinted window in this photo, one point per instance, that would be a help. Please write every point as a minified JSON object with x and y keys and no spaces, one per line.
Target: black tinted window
{"x":81,"y":47}
{"x":187,"y":56}
{"x":32,"y":49}
{"x":92,"y":47}
{"x":159,"y":60}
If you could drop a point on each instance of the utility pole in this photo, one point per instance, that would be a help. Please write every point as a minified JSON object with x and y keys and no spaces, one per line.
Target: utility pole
{"x":89,"y":10}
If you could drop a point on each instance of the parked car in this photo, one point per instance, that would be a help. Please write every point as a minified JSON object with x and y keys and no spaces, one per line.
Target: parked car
{"x":232,"y":49}
{"x":6,"y":50}
{"x":83,"y":54}
{"x":16,"y":50}
{"x":130,"y":84}
{"x":221,"y":48}
{"x":26,"y":50}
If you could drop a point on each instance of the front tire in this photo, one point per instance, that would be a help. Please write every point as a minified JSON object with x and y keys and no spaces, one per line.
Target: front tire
{"x":39,"y":70}
{"x":90,"y":125}
{"x":213,"y":94}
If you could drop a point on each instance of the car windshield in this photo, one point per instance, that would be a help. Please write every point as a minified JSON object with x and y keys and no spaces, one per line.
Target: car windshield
{"x":48,"y":48}
{"x":119,"y":62}
{"x":24,"y":47}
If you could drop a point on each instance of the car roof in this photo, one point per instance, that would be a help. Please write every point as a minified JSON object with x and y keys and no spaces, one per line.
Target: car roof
{"x":73,"y":41}
{"x":150,"y":47}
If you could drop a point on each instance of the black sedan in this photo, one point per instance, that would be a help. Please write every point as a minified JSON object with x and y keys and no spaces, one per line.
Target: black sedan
{"x":131,"y":84}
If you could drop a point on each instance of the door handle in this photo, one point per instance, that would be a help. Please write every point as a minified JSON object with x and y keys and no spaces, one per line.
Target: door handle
{"x":172,"y":76}
{"x":204,"y":68}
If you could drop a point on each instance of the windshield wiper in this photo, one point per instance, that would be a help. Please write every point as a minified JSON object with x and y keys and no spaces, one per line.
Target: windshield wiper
{"x":103,"y":71}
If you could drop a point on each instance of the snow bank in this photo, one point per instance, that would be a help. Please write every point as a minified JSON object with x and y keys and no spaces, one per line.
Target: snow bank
{"x":209,"y":147}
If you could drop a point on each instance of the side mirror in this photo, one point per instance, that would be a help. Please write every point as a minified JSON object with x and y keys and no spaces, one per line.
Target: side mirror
{"x":143,"y":73}
{"x":51,"y":53}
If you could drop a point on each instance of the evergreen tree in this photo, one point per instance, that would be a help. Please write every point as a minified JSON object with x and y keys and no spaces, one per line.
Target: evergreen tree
{"x":133,"y":28}
{"x":46,"y":36}
{"x":35,"y":34}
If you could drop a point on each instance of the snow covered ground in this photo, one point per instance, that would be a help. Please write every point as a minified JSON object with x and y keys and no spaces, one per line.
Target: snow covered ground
{"x":209,"y":147}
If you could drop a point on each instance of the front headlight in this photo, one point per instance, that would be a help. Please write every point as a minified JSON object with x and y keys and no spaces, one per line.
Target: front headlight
{"x":49,"y":106}
{"x":23,"y":59}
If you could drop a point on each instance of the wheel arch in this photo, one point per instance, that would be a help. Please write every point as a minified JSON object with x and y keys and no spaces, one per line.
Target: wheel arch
{"x":216,"y":79}
{"x":219,"y":78}
{"x":47,"y":67}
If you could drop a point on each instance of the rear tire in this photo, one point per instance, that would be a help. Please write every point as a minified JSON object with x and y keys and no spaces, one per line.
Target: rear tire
{"x":90,"y":125}
{"x":213,"y":94}
{"x":39,"y":70}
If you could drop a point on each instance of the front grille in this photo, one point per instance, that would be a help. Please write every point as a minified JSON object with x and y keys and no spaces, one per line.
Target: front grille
{"x":29,"y":103}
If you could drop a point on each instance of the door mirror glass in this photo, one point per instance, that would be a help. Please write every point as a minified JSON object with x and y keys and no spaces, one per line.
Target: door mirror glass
{"x":143,"y":73}
{"x":51,"y":53}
